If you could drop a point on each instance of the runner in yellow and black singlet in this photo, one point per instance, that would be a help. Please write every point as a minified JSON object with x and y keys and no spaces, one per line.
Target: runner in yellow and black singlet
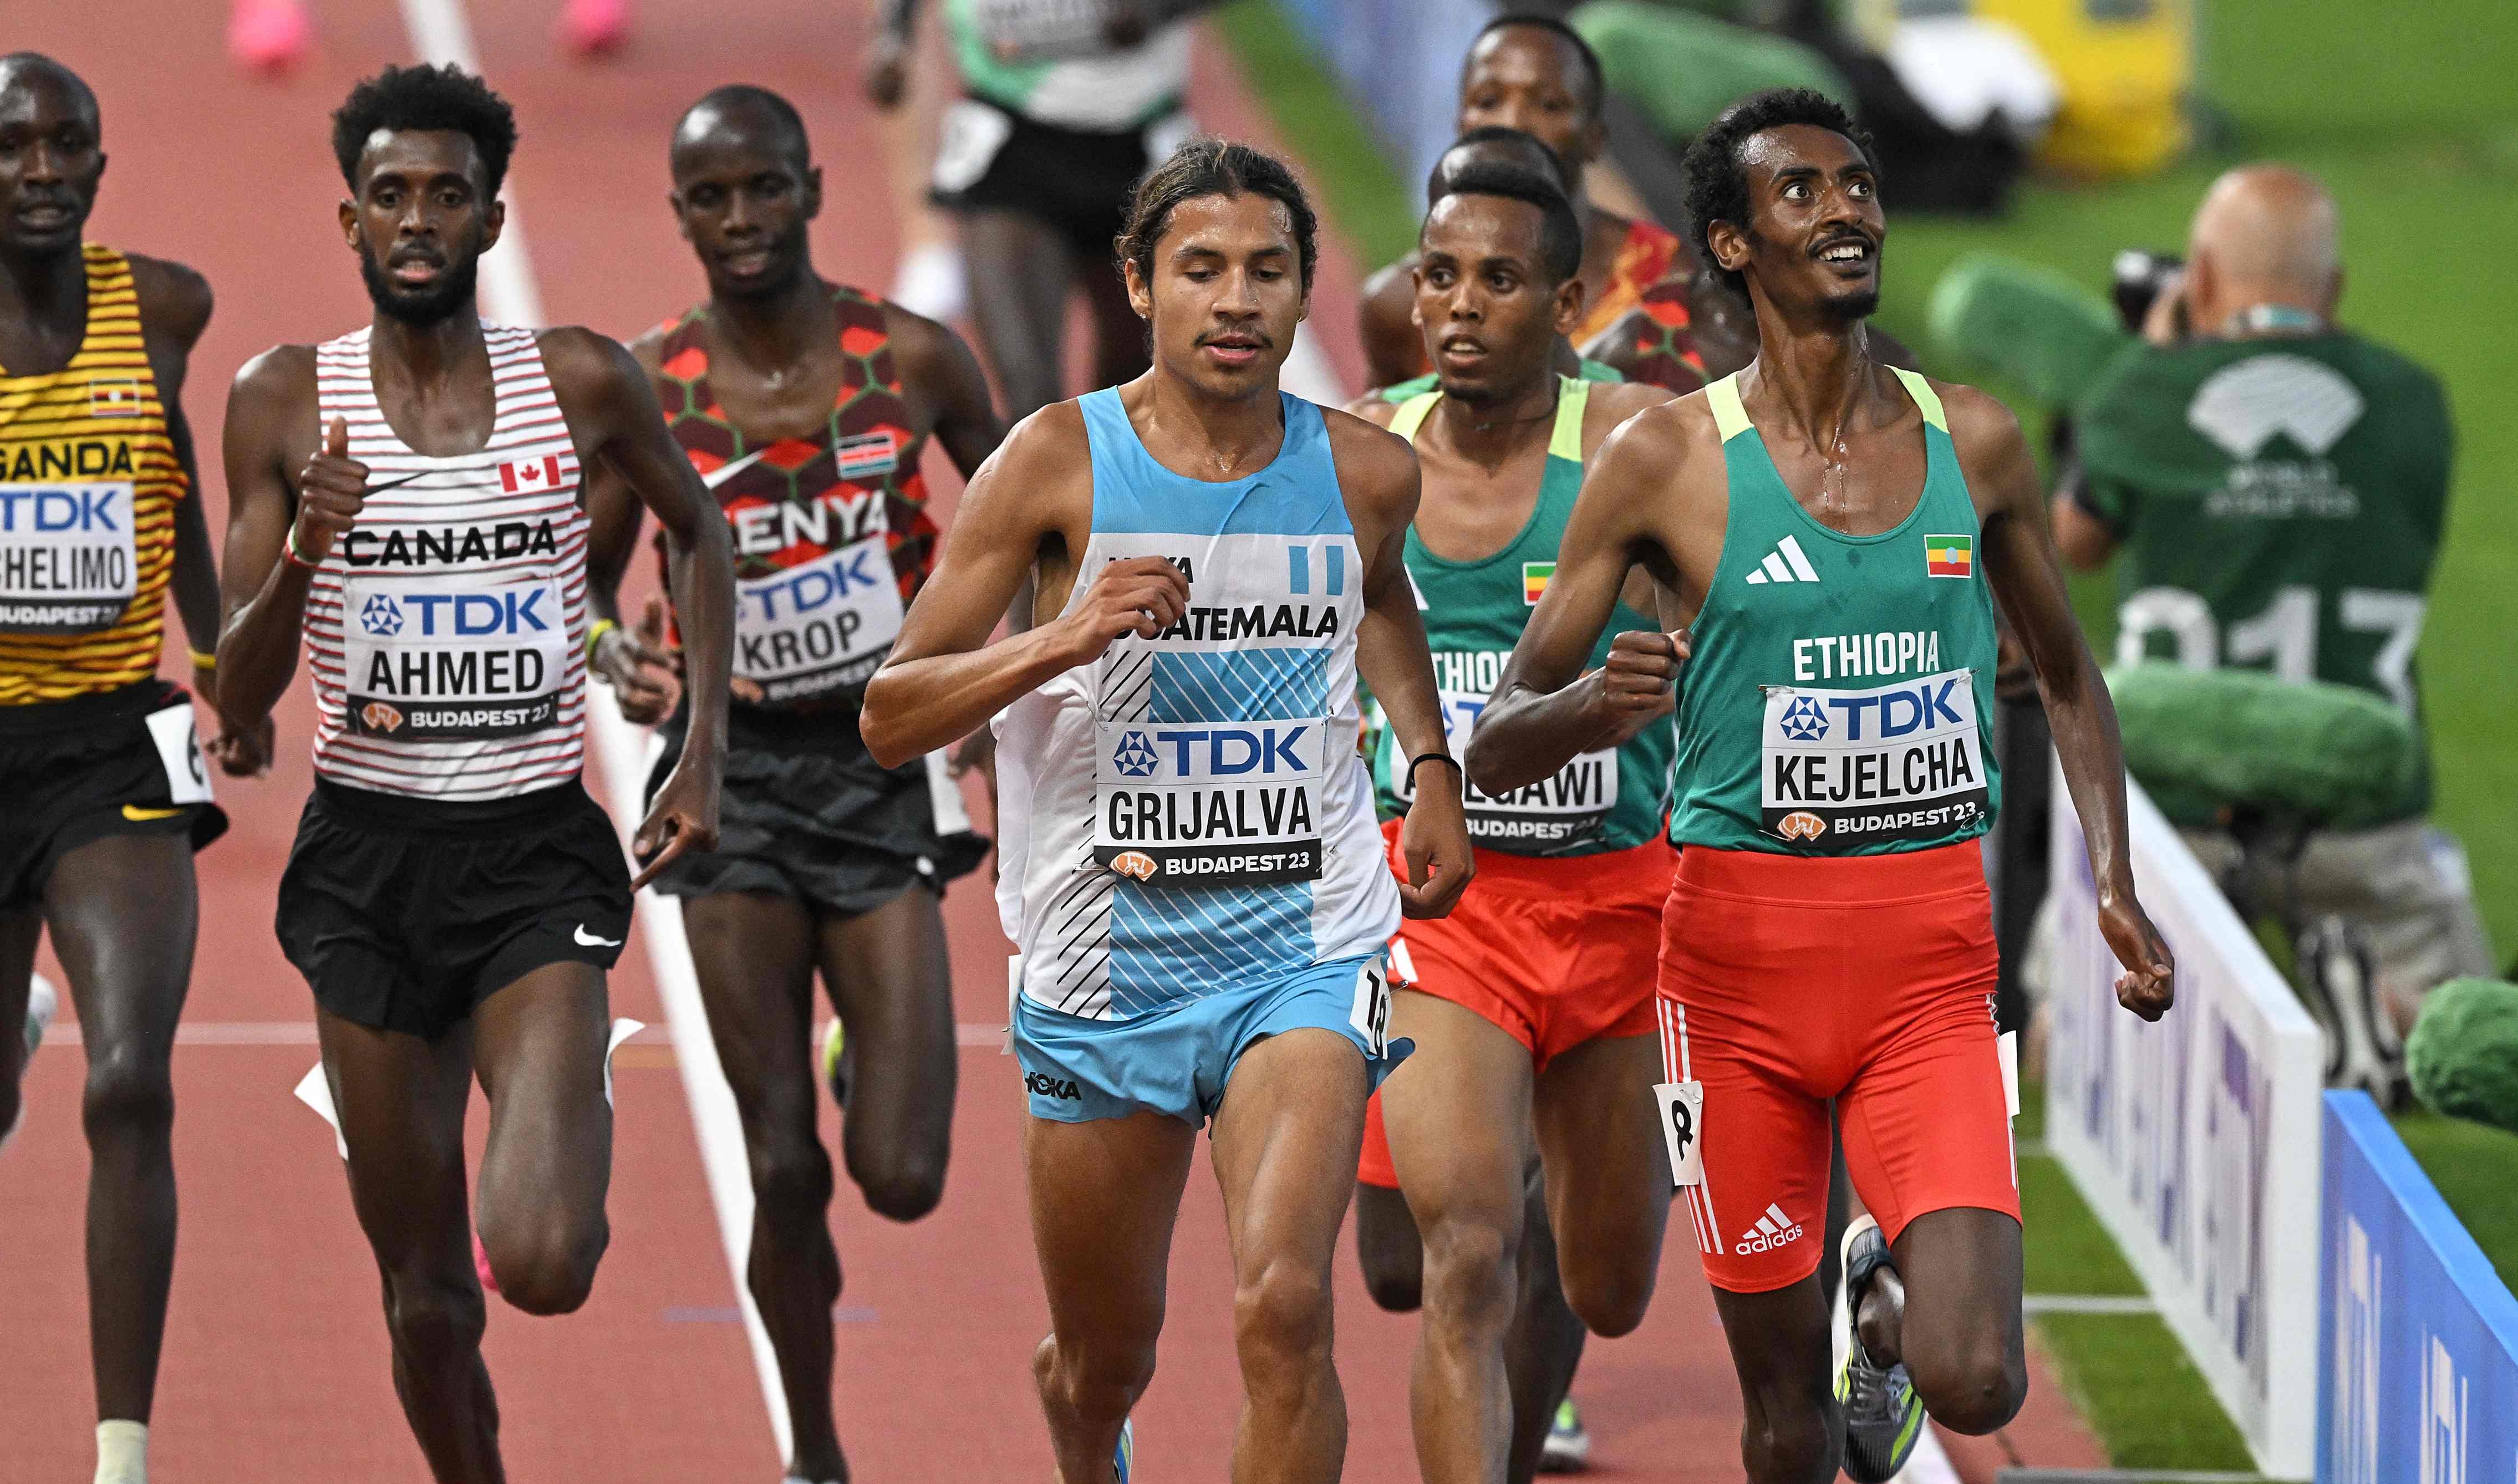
{"x":107,"y":786}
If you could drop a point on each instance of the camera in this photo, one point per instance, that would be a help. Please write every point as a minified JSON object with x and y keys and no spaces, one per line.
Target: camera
{"x":2139,"y":279}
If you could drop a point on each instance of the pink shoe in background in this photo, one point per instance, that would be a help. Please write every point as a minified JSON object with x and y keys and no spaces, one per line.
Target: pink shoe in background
{"x":594,"y":28}
{"x":269,"y":36}
{"x":481,"y":1265}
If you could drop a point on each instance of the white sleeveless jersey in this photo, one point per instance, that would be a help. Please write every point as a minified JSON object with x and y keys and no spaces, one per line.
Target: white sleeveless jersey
{"x":445,"y":630}
{"x":1186,"y":814}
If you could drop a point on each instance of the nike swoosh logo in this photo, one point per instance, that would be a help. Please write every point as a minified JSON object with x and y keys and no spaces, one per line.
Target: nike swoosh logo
{"x":724,"y":472}
{"x":398,"y":483}
{"x":139,"y":816}
{"x":585,"y":939}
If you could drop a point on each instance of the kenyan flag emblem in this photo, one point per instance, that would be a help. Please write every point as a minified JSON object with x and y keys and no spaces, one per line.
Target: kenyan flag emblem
{"x":1949,"y":555}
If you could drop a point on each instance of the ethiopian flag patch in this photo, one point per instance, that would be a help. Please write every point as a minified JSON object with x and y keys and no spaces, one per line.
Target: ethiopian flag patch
{"x":1949,"y":555}
{"x":1534,"y":582}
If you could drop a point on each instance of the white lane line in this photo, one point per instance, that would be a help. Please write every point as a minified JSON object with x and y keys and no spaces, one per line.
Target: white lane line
{"x":441,"y":32}
{"x":2035,"y":1304}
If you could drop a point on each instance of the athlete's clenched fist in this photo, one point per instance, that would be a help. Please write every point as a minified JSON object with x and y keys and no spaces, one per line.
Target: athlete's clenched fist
{"x":1637,"y":683}
{"x":331,"y":491}
{"x":1134,"y":595}
{"x":2147,"y":987}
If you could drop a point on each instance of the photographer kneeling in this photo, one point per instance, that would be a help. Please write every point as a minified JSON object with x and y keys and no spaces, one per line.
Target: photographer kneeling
{"x":2278,"y":488}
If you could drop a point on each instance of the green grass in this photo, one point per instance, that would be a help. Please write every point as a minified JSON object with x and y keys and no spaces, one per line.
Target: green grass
{"x":2132,"y":1381}
{"x":2476,"y":1170}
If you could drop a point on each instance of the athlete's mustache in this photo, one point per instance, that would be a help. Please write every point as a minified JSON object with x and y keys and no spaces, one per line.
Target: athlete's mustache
{"x":1238,"y":337}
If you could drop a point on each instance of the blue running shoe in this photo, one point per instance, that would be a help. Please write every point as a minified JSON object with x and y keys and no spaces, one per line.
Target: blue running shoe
{"x":1126,"y":1457}
{"x":1884,"y":1418}
{"x":1567,"y":1449}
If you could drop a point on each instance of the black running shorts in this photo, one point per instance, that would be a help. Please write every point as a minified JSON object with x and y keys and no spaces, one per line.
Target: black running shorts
{"x":404,"y":914}
{"x":73,"y":772}
{"x":1076,"y":180}
{"x":806,"y":814}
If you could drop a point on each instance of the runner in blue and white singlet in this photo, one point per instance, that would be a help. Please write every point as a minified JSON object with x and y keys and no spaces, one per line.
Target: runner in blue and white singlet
{"x":1201,"y":571}
{"x":1187,"y":813}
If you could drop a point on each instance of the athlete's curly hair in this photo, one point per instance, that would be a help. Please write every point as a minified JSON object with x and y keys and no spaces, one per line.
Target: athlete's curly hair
{"x":425,"y":98}
{"x":1214,"y":167}
{"x":1715,"y":181}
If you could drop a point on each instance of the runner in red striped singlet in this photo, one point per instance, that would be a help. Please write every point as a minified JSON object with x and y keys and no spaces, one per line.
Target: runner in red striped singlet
{"x":455,"y":897}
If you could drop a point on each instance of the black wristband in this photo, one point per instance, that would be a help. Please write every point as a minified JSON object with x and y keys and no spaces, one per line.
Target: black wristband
{"x":1422,"y":758}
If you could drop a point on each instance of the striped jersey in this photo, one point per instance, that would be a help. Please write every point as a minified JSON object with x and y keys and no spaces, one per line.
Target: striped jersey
{"x":1186,"y":814}
{"x":88,"y":487}
{"x":445,"y":630}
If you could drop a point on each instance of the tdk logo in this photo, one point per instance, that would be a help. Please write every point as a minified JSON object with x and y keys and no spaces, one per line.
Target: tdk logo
{"x":1042,"y":1085}
{"x":381,"y":616}
{"x":463,"y":616}
{"x":1135,"y":758}
{"x":88,"y":508}
{"x":817,"y":586}
{"x":1904,"y":709}
{"x":1803,"y":720}
{"x":1774,"y":1229}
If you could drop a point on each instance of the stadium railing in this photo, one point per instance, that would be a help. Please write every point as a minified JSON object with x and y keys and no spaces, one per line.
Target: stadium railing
{"x":2194,"y":1141}
{"x":2417,"y":1352}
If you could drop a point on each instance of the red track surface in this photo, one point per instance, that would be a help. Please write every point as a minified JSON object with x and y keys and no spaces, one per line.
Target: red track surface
{"x":276,"y":1362}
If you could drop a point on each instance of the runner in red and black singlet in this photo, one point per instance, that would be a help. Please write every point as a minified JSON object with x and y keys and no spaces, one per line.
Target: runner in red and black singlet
{"x":807,"y":406}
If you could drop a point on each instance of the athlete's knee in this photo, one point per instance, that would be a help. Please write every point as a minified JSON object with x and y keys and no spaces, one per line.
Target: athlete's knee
{"x":128,"y":1091}
{"x":547,"y":1266}
{"x":1101,"y":1378}
{"x":1789,"y":1437}
{"x":1281,"y":1320}
{"x":791,"y":1176}
{"x":900,"y":1180}
{"x":1974,"y":1383}
{"x":434,"y":1320}
{"x":1472,"y":1277}
{"x":1609,"y":1295}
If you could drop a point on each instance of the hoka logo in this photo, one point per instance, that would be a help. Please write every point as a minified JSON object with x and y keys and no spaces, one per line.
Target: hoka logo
{"x":1774,"y":1229}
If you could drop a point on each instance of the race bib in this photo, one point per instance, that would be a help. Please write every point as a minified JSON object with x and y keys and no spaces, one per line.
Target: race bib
{"x":452,"y":658}
{"x":820,"y":625}
{"x":1370,"y":1015}
{"x":967,"y":143}
{"x":67,"y":562}
{"x":1898,"y":762}
{"x":1209,"y":803}
{"x":1681,"y":1109}
{"x":1020,"y":30}
{"x":1562,"y":809}
{"x":179,"y":752}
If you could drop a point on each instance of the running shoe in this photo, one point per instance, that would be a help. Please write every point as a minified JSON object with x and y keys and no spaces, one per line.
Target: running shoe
{"x":1567,"y":1449}
{"x":269,"y":36}
{"x":43,"y":1002}
{"x":1125,"y":1460}
{"x":835,"y":1063}
{"x":1884,"y":1418}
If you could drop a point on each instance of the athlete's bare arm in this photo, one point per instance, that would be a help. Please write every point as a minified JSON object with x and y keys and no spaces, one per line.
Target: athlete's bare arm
{"x":272,"y":452}
{"x":1029,"y":507}
{"x":2028,"y":583}
{"x":937,"y":368}
{"x":613,"y":417}
{"x":644,"y":676}
{"x":175,"y":304}
{"x":1377,"y":474}
{"x":1385,"y":316}
{"x":1654,"y":496}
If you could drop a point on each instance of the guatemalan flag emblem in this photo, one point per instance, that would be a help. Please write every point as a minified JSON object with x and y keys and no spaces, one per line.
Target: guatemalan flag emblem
{"x":530,"y":475}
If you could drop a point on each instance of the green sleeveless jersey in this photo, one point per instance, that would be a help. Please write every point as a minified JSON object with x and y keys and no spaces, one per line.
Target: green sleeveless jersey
{"x":1474,"y":613}
{"x":1417,"y":386}
{"x":1839,"y":695}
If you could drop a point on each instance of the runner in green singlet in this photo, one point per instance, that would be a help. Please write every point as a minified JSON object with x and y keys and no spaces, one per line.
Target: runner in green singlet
{"x":1531,"y":1005}
{"x":1833,"y":534}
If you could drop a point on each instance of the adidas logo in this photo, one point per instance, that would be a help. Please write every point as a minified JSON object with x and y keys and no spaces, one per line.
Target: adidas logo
{"x":1774,"y":1229}
{"x":1786,"y":563}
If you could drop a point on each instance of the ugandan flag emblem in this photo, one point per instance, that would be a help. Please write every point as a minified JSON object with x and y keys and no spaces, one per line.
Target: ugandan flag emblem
{"x":1534,"y":582}
{"x":1949,"y":555}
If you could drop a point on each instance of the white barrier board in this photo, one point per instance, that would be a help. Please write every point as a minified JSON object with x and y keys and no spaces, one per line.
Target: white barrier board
{"x":2196,"y":1140}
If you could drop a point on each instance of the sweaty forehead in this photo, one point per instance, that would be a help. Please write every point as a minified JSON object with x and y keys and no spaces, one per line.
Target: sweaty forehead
{"x":1471,"y":226}
{"x":714,"y":138}
{"x":43,"y":93}
{"x":1237,"y":223}
{"x":422,"y":154}
{"x":1789,"y":147}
